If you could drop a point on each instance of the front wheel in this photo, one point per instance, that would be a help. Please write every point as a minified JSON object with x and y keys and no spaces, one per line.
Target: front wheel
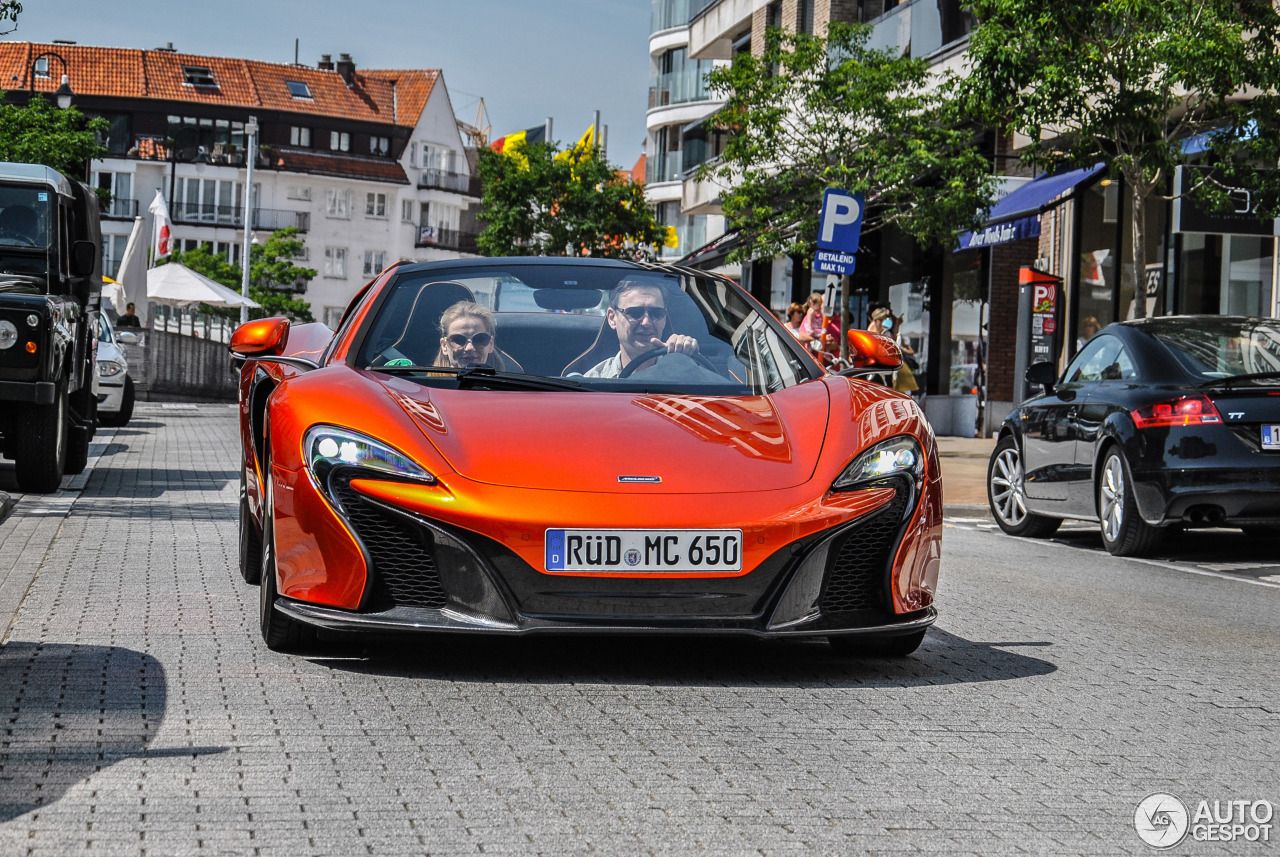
{"x":41,"y":448}
{"x":1124,"y":533}
{"x":279,"y":632}
{"x":1007,"y":496}
{"x":250,"y":540}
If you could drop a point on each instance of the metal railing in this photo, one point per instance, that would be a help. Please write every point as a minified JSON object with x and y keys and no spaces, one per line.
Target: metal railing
{"x":275,"y":218}
{"x":445,"y":180}
{"x":198,"y":213}
{"x":121,"y":209}
{"x":446,"y":239}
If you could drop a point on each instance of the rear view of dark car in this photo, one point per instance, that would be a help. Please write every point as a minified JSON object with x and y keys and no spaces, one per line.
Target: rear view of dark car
{"x":1158,"y":423}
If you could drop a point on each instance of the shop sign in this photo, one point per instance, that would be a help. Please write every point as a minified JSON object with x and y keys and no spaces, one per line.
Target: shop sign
{"x":1001,"y":233}
{"x":1243,"y":221}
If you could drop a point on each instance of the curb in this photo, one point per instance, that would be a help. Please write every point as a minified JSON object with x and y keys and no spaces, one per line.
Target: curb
{"x":965,"y":510}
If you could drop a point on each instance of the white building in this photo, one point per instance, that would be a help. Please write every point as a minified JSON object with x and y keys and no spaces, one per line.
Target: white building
{"x":370,"y":165}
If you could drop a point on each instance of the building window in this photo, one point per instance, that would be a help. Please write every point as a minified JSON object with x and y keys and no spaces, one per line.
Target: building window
{"x":379,"y":145}
{"x":298,"y":192}
{"x":437,"y":158}
{"x":337,"y":203}
{"x":804,"y":22}
{"x":112,"y":252}
{"x":373,"y":262}
{"x":339,"y":141}
{"x":333,"y":316}
{"x":406,"y":210}
{"x":335,"y":262}
{"x":42,"y":67}
{"x":300,"y":137}
{"x":198,"y":75}
{"x":375,"y":205}
{"x":298,"y":89}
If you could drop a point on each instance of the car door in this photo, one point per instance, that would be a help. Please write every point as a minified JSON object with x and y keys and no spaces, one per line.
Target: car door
{"x":1049,"y":432}
{"x":1114,"y":375}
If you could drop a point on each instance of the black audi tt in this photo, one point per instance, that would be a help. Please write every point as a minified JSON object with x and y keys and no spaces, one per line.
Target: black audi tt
{"x":1157,"y":423}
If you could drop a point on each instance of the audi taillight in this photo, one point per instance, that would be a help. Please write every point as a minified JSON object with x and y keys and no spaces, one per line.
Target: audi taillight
{"x":1186,"y":411}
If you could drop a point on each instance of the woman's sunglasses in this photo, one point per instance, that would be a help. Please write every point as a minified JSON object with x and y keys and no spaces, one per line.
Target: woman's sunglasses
{"x":479,"y":340}
{"x":656,"y":313}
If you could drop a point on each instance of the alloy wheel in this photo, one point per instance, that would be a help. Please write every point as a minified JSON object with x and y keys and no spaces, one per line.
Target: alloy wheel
{"x":1007,"y":493}
{"x":1111,"y":498}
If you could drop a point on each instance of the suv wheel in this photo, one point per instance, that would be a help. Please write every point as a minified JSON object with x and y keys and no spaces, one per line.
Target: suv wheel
{"x":41,"y":448}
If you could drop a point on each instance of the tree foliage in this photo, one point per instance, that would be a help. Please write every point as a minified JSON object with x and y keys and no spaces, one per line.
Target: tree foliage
{"x":813,"y":113}
{"x":9,"y":10}
{"x":40,"y":133}
{"x":270,"y":263}
{"x":541,"y":202}
{"x":1126,"y":83}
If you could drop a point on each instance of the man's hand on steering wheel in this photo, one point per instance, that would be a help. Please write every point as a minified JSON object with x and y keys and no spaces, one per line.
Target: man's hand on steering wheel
{"x":676,"y":344}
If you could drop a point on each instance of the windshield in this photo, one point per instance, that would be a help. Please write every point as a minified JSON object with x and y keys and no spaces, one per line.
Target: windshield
{"x":1214,"y":348}
{"x":24,"y":228}
{"x":104,"y":329}
{"x":597,"y":327}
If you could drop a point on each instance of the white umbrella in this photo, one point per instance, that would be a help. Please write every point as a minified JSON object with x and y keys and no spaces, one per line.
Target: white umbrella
{"x":178,"y":285}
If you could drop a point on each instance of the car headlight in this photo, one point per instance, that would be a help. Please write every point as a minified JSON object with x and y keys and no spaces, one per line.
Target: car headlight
{"x":899,"y":456}
{"x":8,"y":334}
{"x":109,"y":368}
{"x":327,"y":447}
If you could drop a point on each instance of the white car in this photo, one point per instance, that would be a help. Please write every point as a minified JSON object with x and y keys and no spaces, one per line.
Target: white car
{"x":115,"y":387}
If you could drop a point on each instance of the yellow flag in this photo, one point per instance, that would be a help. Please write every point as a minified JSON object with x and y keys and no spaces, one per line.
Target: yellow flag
{"x":584,"y":144}
{"x":671,"y":238}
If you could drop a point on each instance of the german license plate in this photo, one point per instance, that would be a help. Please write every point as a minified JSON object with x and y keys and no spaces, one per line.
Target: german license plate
{"x":1271,"y":437}
{"x":644,"y":550}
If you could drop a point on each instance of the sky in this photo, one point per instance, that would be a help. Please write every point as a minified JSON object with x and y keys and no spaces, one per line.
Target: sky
{"x":528,"y":59}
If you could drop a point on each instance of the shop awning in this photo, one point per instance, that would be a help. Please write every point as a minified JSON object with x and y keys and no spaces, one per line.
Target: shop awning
{"x":1017,"y":216}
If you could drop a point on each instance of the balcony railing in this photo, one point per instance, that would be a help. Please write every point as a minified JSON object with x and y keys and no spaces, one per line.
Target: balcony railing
{"x":679,"y":87}
{"x":446,"y":239}
{"x":232,"y":215}
{"x":664,"y":167}
{"x":121,"y":209}
{"x":674,"y":13}
{"x":445,"y":180}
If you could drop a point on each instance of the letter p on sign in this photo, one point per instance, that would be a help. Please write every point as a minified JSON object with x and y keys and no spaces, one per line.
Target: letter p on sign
{"x":840,"y":225}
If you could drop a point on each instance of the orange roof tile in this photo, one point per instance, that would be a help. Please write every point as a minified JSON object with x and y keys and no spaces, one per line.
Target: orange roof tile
{"x":392,"y":97}
{"x":340,"y":166}
{"x":412,"y":88}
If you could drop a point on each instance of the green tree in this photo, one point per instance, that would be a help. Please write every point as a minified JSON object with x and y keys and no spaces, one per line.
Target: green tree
{"x":40,"y":133}
{"x":1126,"y":83}
{"x":815,"y":112}
{"x":270,"y":263}
{"x":541,"y":202}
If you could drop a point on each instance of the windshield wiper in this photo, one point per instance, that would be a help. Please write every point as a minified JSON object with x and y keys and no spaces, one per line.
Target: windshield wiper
{"x":473,"y":376}
{"x":1232,"y":380}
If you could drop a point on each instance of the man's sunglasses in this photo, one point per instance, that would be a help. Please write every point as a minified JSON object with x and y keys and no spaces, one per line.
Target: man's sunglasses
{"x":479,"y":340}
{"x":656,"y":313}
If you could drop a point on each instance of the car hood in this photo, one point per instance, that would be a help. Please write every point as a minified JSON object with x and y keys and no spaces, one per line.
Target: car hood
{"x":621,"y":442}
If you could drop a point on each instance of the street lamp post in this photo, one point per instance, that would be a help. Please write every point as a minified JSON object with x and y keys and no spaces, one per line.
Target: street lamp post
{"x":251,"y":147}
{"x":63,"y":94}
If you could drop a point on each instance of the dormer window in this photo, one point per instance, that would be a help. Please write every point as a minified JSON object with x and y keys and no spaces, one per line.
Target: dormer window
{"x":198,"y":75}
{"x":42,"y":67}
{"x":298,"y":88}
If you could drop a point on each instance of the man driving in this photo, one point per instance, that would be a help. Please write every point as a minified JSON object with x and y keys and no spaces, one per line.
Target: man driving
{"x":638,"y":313}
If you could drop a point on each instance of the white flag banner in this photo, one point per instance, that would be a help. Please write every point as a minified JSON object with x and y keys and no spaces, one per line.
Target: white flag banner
{"x":133,"y":272}
{"x":161,"y":241}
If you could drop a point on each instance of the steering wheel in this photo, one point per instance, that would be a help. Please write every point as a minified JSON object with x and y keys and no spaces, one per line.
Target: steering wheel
{"x":20,"y":238}
{"x":659,"y":351}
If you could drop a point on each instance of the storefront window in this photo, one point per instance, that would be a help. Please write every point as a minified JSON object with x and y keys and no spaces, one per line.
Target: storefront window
{"x":1097,"y":261}
{"x":966,"y":306}
{"x":1152,"y":275}
{"x":1226,"y":274}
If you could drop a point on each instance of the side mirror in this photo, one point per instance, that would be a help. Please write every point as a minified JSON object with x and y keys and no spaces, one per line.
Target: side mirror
{"x":126,"y":338}
{"x":263,"y":338}
{"x":84,"y":254}
{"x":871,"y":352}
{"x":1043,"y":374}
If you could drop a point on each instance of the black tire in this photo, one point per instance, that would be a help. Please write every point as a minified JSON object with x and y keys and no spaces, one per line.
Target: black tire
{"x":279,"y":632}
{"x":41,"y":446}
{"x":1124,"y":533}
{"x":121,"y":418}
{"x":1006,"y":495}
{"x":78,"y":438}
{"x":250,"y":540}
{"x":887,"y":646}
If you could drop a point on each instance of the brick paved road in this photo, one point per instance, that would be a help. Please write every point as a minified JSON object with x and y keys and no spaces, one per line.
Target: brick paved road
{"x":143,"y":715}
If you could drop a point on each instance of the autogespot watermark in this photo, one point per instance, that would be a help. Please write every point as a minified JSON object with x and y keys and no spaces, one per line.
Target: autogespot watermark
{"x":1162,"y":820}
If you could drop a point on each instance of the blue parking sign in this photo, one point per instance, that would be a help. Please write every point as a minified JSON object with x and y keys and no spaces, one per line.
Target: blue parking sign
{"x":840,"y":224}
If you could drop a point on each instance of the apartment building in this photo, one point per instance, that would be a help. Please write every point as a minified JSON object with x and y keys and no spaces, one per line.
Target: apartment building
{"x":369,"y":164}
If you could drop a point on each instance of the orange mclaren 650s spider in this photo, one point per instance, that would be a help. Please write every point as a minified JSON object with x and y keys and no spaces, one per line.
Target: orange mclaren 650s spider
{"x":520,"y":446}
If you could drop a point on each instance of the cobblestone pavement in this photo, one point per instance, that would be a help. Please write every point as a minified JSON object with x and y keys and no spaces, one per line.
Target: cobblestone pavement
{"x":144,"y":716}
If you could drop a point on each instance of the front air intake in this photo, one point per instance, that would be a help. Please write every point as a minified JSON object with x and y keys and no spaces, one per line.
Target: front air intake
{"x":858,"y":569}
